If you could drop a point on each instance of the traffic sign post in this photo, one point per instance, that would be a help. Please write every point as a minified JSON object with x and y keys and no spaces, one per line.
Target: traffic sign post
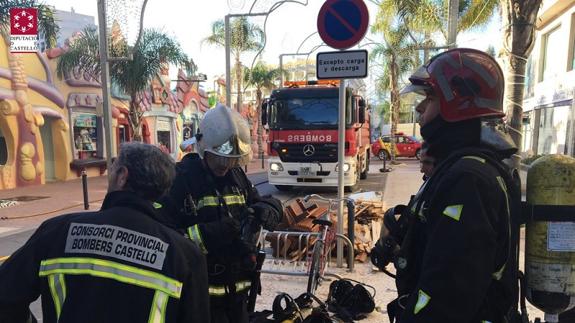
{"x":341,"y":24}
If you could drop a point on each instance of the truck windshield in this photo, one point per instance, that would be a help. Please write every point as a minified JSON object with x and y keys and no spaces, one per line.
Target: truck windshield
{"x":304,"y":113}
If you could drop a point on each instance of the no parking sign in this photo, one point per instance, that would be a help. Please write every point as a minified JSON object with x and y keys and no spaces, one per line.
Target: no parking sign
{"x":342,"y":23}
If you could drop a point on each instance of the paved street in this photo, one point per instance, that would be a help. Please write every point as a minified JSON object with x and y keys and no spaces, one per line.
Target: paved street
{"x":18,"y":223}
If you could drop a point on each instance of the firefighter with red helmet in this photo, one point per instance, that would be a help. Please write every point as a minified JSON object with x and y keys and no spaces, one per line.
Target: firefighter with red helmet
{"x":218,"y":208}
{"x":451,"y":245}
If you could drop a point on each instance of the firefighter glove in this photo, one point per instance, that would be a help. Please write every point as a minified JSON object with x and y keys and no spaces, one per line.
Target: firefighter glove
{"x":268,"y":212}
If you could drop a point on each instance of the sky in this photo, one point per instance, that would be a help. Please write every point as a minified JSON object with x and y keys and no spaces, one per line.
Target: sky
{"x":287,"y":28}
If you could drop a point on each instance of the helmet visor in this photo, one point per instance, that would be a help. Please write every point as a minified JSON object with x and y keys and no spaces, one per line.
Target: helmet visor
{"x":221,"y":163}
{"x":234,"y":147}
{"x":416,"y":88}
{"x":419,"y":84}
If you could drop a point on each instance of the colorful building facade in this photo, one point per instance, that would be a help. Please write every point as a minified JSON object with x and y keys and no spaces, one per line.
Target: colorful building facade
{"x":51,"y":129}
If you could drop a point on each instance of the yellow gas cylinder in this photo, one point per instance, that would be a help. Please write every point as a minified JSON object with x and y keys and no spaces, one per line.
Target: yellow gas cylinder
{"x":550,"y":246}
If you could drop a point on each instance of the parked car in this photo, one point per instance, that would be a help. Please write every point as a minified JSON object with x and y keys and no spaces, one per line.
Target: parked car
{"x":405,"y":146}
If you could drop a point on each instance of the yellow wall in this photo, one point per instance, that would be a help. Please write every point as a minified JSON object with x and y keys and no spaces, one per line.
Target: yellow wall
{"x":33,"y":66}
{"x":3,"y":53}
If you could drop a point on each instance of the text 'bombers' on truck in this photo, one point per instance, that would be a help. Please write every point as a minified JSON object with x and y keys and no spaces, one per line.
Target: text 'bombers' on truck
{"x":303,"y":135}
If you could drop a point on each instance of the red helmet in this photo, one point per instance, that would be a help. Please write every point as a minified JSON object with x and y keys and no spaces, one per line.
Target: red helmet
{"x":468,"y":82}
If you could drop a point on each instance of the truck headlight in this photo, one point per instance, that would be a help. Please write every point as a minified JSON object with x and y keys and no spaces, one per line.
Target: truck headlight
{"x":276,"y":167}
{"x":346,"y":167}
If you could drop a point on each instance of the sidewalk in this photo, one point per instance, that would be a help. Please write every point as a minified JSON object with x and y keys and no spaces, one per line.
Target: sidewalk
{"x":41,"y":202}
{"x":403,"y":181}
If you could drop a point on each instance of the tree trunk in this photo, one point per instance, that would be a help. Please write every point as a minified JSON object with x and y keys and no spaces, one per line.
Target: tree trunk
{"x":394,"y":104}
{"x":239,"y":82}
{"x":519,"y":19}
{"x":426,"y":44}
{"x":260,"y":126}
{"x":135,"y":118}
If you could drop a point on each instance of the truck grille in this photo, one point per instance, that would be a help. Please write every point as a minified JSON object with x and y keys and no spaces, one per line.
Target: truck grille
{"x":322,"y":152}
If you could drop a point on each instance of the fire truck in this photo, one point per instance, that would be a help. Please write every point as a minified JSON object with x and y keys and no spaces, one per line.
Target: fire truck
{"x":302,"y":119}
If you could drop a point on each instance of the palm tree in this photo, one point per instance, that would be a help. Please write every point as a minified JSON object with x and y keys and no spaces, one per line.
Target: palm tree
{"x":425,"y":17}
{"x":154,"y":50}
{"x":261,"y":77}
{"x":28,"y":131}
{"x":430,"y":15}
{"x":397,"y":55}
{"x":245,"y":37}
{"x":519,"y":18}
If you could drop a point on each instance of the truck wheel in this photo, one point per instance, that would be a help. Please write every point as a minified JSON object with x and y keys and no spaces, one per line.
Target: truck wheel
{"x":383,"y":154}
{"x":364,"y":173}
{"x":283,"y":188}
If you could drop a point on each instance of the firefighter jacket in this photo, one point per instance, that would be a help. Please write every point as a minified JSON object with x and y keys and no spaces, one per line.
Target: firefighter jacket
{"x":457,"y":245}
{"x":197,"y":204}
{"x":118,"y":264}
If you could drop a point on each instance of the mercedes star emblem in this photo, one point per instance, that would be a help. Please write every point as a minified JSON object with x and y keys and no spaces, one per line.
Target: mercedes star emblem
{"x":308,"y":150}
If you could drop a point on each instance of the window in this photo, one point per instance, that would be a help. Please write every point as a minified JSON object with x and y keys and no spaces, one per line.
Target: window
{"x":305,"y":113}
{"x":85,"y":135}
{"x":553,"y":130}
{"x":3,"y":150}
{"x":529,"y":79}
{"x":164,"y":133}
{"x":550,"y":66}
{"x":571,"y":57}
{"x":122,"y":134}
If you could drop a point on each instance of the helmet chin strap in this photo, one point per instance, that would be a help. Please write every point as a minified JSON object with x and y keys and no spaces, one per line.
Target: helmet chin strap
{"x":430,"y":131}
{"x":445,"y":137}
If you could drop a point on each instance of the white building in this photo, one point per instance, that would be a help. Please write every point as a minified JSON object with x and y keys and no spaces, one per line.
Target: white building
{"x":70,"y":23}
{"x":549,"y":86}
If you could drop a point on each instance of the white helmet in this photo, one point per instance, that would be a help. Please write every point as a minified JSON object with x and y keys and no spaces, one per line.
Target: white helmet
{"x":224,"y":133}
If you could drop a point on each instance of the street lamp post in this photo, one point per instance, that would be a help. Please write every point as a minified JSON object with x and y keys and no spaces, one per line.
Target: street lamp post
{"x":413,"y":118}
{"x":120,"y":15}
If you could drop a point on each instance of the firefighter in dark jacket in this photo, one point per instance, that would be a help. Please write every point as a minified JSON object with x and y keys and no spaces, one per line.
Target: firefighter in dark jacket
{"x":451,"y":244}
{"x":118,"y":264}
{"x":216,"y":205}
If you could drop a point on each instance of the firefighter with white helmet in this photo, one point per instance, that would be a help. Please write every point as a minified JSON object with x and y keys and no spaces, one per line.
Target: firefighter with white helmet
{"x":452,"y":245}
{"x":212,"y":201}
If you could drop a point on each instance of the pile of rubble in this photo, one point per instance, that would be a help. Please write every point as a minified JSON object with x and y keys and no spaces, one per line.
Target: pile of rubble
{"x":298,"y":217}
{"x":369,"y":210}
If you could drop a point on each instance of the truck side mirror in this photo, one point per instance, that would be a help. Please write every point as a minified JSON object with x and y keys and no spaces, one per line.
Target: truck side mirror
{"x":264,"y":112}
{"x":361,"y":113}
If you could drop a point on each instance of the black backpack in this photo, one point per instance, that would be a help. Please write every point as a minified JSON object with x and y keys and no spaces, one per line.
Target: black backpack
{"x":350,"y":302}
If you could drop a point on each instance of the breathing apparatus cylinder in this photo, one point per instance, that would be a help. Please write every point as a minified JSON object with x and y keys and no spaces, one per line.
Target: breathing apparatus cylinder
{"x":550,"y":245}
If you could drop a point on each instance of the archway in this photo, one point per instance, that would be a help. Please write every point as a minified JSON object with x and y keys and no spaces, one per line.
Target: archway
{"x":8,"y":130}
